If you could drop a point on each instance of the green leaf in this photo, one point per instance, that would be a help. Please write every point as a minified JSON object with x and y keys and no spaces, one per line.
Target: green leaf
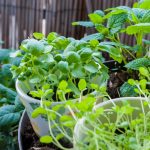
{"x":35,"y":47}
{"x":8,"y":116}
{"x":138,"y":28}
{"x":72,"y":57}
{"x":95,"y":18}
{"x":99,"y":12}
{"x":46,"y":139}
{"x":7,"y":93}
{"x":4,"y":55}
{"x":73,"y":87}
{"x":97,"y":36}
{"x":46,"y":58}
{"x":59,"y":136}
{"x":63,"y":85}
{"x":146,"y":17}
{"x":137,"y":63}
{"x":38,"y":35}
{"x":85,"y":54}
{"x":143,"y":71}
{"x":48,"y":49}
{"x":63,"y":66}
{"x":82,"y":84}
{"x":116,"y":21}
{"x":35,"y":79}
{"x":83,"y":23}
{"x":38,"y":111}
{"x":113,"y":51}
{"x":78,"y":71}
{"x":52,"y":36}
{"x":92,"y":67}
{"x":143,"y":84}
{"x":127,"y":90}
{"x":145,"y":4}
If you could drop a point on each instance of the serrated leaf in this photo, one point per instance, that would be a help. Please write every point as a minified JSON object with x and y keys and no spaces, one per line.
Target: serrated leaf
{"x":137,"y":63}
{"x":138,"y":28}
{"x":97,"y":36}
{"x":146,"y":17}
{"x":127,"y":90}
{"x":83,"y":23}
{"x":116,"y":21}
{"x":38,"y":35}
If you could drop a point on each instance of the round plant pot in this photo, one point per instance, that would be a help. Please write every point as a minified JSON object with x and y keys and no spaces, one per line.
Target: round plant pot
{"x":39,"y":124}
{"x":79,"y":130}
{"x":27,"y":139}
{"x":23,"y":121}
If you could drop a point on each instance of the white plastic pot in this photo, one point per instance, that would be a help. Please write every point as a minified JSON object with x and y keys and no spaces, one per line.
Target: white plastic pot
{"x":79,"y":130}
{"x":39,"y":124}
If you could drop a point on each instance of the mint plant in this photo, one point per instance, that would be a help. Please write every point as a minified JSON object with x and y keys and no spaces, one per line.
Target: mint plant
{"x":110,"y":26}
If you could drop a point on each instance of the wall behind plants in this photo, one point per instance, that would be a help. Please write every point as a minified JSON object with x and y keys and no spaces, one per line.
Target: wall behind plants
{"x":20,"y":18}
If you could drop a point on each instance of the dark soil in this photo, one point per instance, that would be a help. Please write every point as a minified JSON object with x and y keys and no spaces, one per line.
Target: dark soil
{"x":31,"y":141}
{"x":116,"y":80}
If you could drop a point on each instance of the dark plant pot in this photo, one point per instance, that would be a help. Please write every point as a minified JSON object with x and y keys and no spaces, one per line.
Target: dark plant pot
{"x":23,"y":121}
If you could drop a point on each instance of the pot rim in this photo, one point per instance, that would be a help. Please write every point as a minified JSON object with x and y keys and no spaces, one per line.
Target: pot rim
{"x":23,"y":95}
{"x":20,"y":129}
{"x":119,"y":99}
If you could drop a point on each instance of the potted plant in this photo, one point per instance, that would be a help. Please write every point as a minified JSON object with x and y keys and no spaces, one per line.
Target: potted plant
{"x":122,"y":123}
{"x":50,"y":71}
{"x":88,"y":120}
{"x":110,"y":26}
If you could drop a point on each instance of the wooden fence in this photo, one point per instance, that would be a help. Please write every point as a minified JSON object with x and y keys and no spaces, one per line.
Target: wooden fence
{"x":20,"y":18}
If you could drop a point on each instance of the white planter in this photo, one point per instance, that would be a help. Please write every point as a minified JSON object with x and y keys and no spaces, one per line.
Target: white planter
{"x":39,"y":124}
{"x":79,"y":130}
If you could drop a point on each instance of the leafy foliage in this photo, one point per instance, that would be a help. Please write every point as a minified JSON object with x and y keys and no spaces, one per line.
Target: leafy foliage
{"x":137,"y":63}
{"x":10,"y":105}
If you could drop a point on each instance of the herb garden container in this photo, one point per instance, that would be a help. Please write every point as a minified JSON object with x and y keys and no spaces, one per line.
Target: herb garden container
{"x":40,"y":123}
{"x":138,"y":102}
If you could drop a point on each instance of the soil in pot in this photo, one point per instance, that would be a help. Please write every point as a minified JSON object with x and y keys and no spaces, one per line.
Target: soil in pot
{"x":31,"y":141}
{"x":116,"y":80}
